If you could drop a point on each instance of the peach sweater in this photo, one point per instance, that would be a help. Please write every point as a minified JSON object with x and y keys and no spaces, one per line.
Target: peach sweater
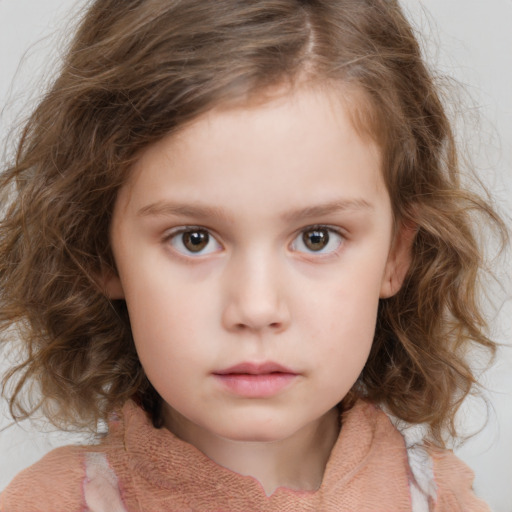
{"x":139,"y":468}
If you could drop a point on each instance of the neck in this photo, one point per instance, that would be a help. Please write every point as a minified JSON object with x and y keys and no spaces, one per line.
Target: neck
{"x":297,"y":462}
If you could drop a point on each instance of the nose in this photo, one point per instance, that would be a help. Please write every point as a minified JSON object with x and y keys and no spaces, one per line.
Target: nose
{"x":255,"y":297}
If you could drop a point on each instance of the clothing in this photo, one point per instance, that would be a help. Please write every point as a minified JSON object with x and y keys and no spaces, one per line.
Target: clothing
{"x":139,"y":468}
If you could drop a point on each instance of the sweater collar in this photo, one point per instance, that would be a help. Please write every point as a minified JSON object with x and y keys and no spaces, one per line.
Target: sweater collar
{"x":167,"y":461}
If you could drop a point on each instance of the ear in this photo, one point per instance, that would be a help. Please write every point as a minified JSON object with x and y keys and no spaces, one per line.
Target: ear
{"x":399,"y":260}
{"x":111,"y":284}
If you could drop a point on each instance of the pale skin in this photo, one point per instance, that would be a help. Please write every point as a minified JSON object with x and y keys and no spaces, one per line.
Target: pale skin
{"x":259,"y":234}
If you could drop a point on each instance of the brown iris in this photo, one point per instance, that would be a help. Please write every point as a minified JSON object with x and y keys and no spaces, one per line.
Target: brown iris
{"x":316,"y":239}
{"x":196,"y":241}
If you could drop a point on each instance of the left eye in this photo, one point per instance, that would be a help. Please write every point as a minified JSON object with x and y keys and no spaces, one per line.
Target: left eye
{"x":317,"y":239}
{"x":193,"y":242}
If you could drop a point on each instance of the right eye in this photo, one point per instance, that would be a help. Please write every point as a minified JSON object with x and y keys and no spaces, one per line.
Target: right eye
{"x":193,"y":241}
{"x":321,"y":240}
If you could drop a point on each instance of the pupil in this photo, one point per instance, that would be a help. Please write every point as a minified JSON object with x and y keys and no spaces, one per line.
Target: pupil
{"x":195,"y":241}
{"x":316,"y":239}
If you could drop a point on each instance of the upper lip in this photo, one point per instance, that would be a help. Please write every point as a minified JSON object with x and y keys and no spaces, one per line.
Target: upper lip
{"x":255,"y":369}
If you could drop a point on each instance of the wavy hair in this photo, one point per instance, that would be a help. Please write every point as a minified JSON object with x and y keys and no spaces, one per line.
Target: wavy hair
{"x":138,"y":70}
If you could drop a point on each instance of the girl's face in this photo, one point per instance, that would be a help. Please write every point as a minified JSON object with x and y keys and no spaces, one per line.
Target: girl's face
{"x":252,"y":249}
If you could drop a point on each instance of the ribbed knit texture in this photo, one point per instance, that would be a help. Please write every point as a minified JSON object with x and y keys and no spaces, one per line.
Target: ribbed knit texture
{"x":156,"y":472}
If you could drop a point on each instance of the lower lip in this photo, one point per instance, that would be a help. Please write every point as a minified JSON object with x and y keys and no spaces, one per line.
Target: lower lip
{"x":256,"y":386}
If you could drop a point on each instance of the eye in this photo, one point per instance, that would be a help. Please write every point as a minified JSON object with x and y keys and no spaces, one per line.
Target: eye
{"x":193,"y":241}
{"x":317,"y":239}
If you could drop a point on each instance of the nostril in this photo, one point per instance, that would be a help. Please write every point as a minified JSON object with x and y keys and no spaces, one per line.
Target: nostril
{"x":244,"y":327}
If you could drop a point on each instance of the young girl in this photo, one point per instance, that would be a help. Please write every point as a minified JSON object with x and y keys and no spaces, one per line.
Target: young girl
{"x":235,"y":231}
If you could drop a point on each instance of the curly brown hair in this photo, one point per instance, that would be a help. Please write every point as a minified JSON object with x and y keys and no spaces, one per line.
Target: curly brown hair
{"x":136,"y":71}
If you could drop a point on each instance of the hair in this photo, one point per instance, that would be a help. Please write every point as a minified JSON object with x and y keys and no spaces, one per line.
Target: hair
{"x":138,"y":70}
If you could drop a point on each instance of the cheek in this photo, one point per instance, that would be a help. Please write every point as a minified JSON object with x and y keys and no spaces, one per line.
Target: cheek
{"x":352,"y":302}
{"x":158,"y":318}
{"x":165,"y":338}
{"x":343,"y":324}
{"x":158,"y":314}
{"x":159,"y":293}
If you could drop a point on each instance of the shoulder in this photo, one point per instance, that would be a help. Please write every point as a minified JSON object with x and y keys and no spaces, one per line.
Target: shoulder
{"x":54,"y":483}
{"x":439,"y":481}
{"x":454,"y":481}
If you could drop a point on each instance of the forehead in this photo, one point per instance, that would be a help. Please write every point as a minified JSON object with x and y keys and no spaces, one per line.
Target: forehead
{"x":350,"y":98}
{"x":299,"y":142}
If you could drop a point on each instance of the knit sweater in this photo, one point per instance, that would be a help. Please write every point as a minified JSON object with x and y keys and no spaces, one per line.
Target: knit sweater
{"x":139,"y":468}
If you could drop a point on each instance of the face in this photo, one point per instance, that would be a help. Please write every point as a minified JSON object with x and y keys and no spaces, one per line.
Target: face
{"x":252,"y":249}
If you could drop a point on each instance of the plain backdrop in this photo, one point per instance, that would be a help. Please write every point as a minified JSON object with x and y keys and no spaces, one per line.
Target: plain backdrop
{"x":470,"y":40}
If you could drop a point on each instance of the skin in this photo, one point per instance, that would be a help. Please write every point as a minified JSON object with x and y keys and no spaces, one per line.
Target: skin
{"x":253,"y":180}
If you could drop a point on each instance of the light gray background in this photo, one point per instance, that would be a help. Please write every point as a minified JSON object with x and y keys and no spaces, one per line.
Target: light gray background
{"x":468,"y":39}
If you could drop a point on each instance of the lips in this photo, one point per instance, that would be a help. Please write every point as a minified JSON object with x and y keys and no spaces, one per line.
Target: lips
{"x":255,"y":369}
{"x":256,"y":380}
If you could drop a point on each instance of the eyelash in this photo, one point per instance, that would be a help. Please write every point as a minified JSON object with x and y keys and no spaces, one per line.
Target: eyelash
{"x":330,"y":230}
{"x":174,"y":235}
{"x":175,"y":239}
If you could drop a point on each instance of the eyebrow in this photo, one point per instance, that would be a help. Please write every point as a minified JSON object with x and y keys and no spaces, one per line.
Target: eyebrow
{"x":329,"y":208}
{"x":167,"y":208}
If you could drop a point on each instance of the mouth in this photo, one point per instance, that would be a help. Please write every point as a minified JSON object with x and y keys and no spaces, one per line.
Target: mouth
{"x":256,"y":380}
{"x":255,"y":369}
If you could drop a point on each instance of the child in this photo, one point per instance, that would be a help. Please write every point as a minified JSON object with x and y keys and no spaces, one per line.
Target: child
{"x":235,"y":230}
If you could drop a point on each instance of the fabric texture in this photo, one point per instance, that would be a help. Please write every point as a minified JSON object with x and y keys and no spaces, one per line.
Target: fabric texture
{"x":137,"y":468}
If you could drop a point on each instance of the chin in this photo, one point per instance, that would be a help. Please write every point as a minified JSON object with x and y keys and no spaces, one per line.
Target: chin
{"x":252,"y":432}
